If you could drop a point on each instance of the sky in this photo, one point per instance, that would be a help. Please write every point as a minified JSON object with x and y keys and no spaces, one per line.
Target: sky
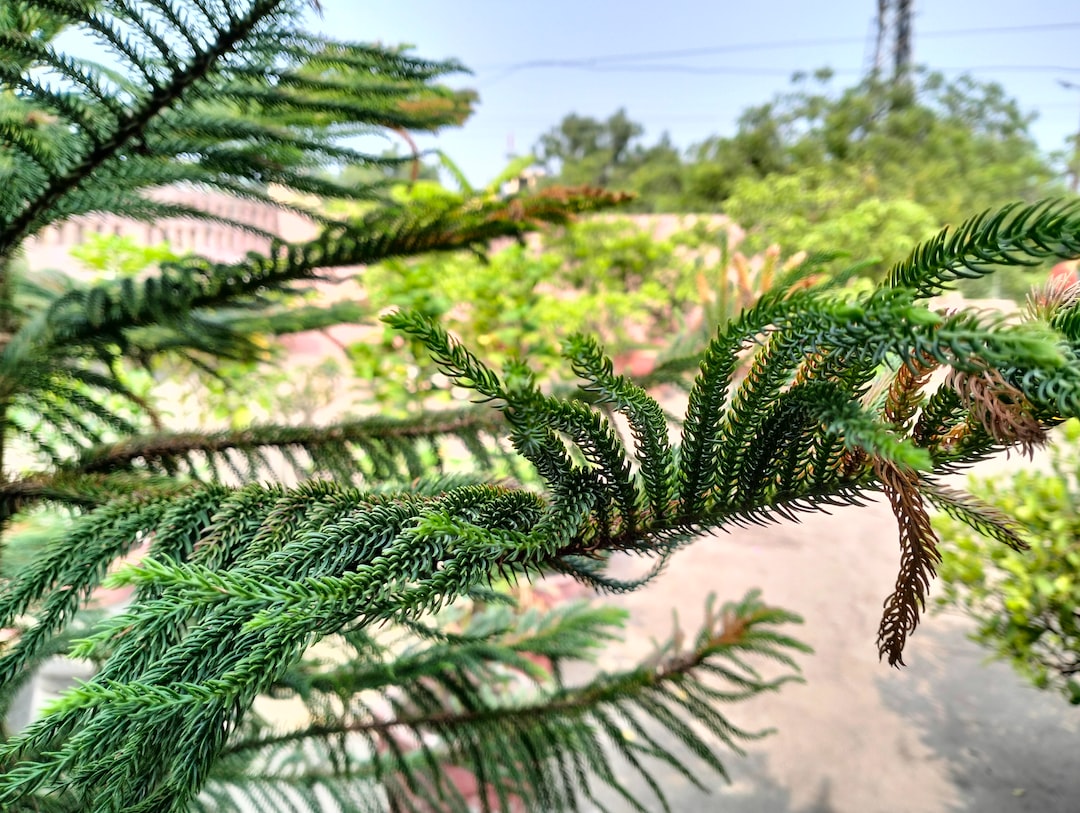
{"x":534,"y":62}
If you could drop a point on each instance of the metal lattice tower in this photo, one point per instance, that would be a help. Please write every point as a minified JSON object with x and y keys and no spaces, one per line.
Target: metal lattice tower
{"x":893,"y":38}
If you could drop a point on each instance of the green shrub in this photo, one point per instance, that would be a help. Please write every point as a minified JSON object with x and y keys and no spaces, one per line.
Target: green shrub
{"x":1026,"y":603}
{"x":612,"y":277}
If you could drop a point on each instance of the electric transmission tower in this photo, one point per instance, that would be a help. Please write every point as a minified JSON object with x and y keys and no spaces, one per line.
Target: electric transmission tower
{"x":893,"y":38}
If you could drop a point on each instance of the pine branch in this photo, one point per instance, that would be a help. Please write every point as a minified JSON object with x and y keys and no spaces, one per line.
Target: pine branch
{"x":1018,"y":234}
{"x":919,"y":558}
{"x":131,"y":123}
{"x":443,"y":715}
{"x":1000,"y":408}
{"x":647,"y":421}
{"x":103,"y":313}
{"x":239,"y":582}
{"x":905,"y":395}
{"x":80,"y":491}
{"x":976,"y":513}
{"x":339,"y":560}
{"x":271,"y":118}
{"x":379,"y":448}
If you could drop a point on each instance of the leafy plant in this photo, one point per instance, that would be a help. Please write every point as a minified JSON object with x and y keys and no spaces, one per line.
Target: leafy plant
{"x":819,"y":208}
{"x":613,"y":277}
{"x":325,"y":590}
{"x":1025,"y":602}
{"x":111,"y":255}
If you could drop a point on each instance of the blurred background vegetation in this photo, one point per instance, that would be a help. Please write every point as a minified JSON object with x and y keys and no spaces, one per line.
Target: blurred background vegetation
{"x":1025,"y":603}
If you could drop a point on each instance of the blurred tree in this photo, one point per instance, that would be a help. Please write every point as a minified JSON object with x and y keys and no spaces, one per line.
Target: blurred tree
{"x":820,"y":208}
{"x":592,"y":151}
{"x":897,"y":143}
{"x":882,"y":143}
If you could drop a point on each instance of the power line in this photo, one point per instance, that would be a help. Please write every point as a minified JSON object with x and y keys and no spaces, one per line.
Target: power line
{"x":707,"y":70}
{"x":743,"y":70}
{"x":643,"y":56}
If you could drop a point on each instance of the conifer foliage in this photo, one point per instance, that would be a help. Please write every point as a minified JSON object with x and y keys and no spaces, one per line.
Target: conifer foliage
{"x":325,"y":590}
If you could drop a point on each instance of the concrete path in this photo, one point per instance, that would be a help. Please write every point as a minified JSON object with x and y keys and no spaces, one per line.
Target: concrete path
{"x":947,"y":734}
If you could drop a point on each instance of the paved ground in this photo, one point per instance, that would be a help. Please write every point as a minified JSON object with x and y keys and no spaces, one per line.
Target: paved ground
{"x":947,"y":733}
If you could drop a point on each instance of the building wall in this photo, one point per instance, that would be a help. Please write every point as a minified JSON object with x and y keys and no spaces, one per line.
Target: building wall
{"x":51,"y":248}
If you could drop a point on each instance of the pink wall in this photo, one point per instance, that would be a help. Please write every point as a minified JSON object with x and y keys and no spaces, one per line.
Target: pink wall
{"x":51,"y":248}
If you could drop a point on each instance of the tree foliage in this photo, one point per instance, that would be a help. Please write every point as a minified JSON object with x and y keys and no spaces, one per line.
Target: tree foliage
{"x":325,"y":585}
{"x":905,"y":139}
{"x":613,"y":277}
{"x":609,"y":153}
{"x":816,"y":167}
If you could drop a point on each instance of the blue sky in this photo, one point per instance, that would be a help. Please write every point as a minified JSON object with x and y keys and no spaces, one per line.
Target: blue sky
{"x":693,"y":97}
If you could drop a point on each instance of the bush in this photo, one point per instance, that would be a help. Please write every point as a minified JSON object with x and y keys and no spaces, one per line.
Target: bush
{"x":1026,"y":603}
{"x":617,"y":278}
